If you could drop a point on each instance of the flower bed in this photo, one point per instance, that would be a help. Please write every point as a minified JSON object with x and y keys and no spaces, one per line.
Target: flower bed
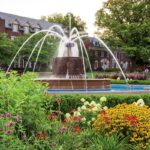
{"x":32,"y":119}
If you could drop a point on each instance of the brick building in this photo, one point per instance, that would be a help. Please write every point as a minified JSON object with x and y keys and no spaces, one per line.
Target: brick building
{"x":103,"y":60}
{"x":15,"y":25}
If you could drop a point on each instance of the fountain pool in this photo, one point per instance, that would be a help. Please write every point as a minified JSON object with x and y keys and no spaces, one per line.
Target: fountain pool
{"x":114,"y":88}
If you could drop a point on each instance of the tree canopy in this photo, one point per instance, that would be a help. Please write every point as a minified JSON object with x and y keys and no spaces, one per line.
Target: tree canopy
{"x":64,"y":20}
{"x":7,"y":49}
{"x":126,"y":25}
{"x":47,"y":52}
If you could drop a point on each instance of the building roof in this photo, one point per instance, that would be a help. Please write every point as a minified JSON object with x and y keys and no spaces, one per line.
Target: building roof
{"x":10,"y":18}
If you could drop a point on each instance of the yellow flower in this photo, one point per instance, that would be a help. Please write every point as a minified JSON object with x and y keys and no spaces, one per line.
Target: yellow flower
{"x":128,"y":119}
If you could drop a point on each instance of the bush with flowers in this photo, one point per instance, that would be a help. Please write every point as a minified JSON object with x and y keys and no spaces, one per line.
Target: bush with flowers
{"x":86,"y":114}
{"x":131,"y":120}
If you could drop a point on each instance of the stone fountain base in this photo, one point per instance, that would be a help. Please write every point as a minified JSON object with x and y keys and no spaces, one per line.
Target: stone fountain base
{"x":67,"y":65}
{"x":93,"y":84}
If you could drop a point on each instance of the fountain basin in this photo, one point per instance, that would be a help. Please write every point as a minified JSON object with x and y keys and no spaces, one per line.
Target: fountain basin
{"x":67,"y":65}
{"x":76,"y":83}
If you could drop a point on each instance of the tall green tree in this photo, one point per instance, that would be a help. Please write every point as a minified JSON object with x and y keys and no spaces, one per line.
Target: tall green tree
{"x":7,"y":50}
{"x":126,"y":25}
{"x":64,"y":20}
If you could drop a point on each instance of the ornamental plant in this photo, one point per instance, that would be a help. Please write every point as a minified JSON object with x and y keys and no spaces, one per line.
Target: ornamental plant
{"x":131,"y":120}
{"x":86,"y":114}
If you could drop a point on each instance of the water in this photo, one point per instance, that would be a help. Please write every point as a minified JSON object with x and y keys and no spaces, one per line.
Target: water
{"x":115,"y":88}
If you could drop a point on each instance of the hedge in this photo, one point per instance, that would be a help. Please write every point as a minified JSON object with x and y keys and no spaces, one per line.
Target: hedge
{"x":142,"y":82}
{"x":69,"y":102}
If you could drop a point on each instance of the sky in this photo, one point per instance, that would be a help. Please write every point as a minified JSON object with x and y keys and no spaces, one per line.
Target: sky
{"x":86,"y":9}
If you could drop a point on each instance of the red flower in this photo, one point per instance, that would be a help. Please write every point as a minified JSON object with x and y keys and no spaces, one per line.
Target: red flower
{"x":103,"y":112}
{"x":76,"y":129}
{"x":77,"y":118}
{"x":106,"y":119}
{"x":132,"y":119}
{"x":52,"y":116}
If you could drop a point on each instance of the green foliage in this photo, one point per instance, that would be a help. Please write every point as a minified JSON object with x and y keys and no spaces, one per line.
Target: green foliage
{"x":138,"y":82}
{"x":64,"y":20}
{"x":47,"y":52}
{"x":72,"y":101}
{"x":127,"y":27}
{"x":113,"y":142}
{"x":21,"y":95}
{"x":7,"y":49}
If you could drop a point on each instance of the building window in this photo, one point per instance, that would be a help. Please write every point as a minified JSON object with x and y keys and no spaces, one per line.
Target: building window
{"x":37,"y":29}
{"x":107,"y":54}
{"x":26,"y":29}
{"x":96,"y":53}
{"x":102,"y":54}
{"x":15,"y":27}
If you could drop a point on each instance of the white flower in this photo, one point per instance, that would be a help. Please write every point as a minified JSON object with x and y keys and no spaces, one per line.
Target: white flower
{"x":67,"y":115}
{"x":140,"y":102}
{"x":79,"y":109}
{"x":76,"y":113}
{"x":105,"y":107}
{"x":103,"y":99}
{"x":93,"y":103}
{"x":83,"y":107}
{"x":99,"y":106}
{"x":93,"y":119}
{"x":95,"y":109}
{"x":82,"y":100}
{"x":86,"y":103}
{"x":83,"y":119}
{"x":118,"y":78}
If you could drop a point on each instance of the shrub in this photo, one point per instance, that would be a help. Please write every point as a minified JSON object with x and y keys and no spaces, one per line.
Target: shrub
{"x":72,"y":101}
{"x":86,"y":113}
{"x":21,"y":95}
{"x":128,"y":119}
{"x":140,"y":82}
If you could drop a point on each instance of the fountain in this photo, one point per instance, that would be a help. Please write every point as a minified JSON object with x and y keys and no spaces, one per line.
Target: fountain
{"x":69,"y":72}
{"x":68,"y":67}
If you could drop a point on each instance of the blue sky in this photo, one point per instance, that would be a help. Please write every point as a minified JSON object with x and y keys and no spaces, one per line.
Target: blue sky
{"x":86,"y":9}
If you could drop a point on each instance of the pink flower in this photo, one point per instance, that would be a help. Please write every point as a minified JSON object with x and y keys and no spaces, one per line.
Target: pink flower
{"x":10,"y":123}
{"x":63,"y":129}
{"x":8,"y":132}
{"x":7,"y":114}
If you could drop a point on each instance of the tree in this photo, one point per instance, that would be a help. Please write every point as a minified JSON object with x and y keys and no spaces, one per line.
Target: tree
{"x":126,"y":25}
{"x":64,"y":20}
{"x":47,"y":52}
{"x":7,"y":50}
